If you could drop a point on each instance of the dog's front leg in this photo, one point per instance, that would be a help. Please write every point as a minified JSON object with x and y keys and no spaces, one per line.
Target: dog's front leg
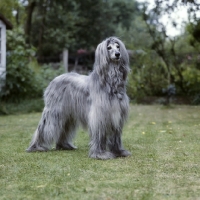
{"x":115,"y":144}
{"x":98,"y":145}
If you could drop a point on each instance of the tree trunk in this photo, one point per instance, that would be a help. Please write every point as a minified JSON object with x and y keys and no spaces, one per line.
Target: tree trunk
{"x":28,"y":23}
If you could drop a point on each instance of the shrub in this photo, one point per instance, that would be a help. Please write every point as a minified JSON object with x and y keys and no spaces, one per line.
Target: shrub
{"x":148,"y":76}
{"x":24,"y":77}
{"x":20,"y":78}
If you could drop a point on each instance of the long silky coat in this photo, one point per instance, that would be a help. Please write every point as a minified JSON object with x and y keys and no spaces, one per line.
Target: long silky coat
{"x":97,"y":102}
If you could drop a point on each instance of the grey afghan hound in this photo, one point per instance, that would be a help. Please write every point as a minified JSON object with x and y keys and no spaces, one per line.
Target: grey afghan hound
{"x":97,"y":102}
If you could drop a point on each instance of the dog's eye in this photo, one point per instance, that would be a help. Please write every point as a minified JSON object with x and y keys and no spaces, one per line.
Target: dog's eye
{"x":118,"y":46}
{"x":109,"y":47}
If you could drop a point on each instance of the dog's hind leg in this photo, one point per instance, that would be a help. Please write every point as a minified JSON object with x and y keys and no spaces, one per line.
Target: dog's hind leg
{"x":36,"y":144}
{"x":49,"y":130}
{"x":65,"y":140}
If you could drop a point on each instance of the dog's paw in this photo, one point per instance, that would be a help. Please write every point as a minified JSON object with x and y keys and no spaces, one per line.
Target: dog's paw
{"x":34,"y":148}
{"x":103,"y":155}
{"x":122,"y":153}
{"x":66,"y":146}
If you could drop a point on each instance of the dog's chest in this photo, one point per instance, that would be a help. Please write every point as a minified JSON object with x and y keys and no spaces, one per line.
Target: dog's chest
{"x":115,"y":113}
{"x":115,"y":82}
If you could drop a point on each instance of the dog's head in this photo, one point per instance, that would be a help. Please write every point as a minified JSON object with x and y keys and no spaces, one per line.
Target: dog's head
{"x":111,"y":50}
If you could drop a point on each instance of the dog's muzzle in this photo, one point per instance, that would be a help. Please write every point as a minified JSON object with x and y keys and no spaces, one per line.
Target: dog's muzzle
{"x":117,"y":55}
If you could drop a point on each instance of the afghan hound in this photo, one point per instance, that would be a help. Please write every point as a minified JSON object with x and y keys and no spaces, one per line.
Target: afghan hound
{"x":98,"y":102}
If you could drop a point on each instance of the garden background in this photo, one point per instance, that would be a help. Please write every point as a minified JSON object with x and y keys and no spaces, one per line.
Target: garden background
{"x":165,"y":72}
{"x":165,"y":62}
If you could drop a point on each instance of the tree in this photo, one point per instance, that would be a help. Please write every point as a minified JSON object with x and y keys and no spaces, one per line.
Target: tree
{"x":7,"y":7}
{"x":193,"y":27}
{"x":163,"y":44}
{"x":53,"y":25}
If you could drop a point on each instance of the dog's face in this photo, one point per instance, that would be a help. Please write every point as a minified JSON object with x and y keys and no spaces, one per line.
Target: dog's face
{"x":114,"y":51}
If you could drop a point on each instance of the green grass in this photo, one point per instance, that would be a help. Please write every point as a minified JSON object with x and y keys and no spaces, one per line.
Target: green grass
{"x":165,"y":161}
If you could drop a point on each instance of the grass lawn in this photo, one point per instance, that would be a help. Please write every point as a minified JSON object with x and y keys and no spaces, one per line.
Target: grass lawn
{"x":165,"y":161}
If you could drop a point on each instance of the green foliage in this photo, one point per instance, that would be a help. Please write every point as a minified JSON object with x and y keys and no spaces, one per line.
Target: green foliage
{"x":148,"y":75}
{"x":193,"y":26}
{"x":196,"y":99}
{"x":22,"y":107}
{"x":193,"y":29}
{"x":136,"y":36}
{"x":20,"y":78}
{"x":192,"y":78}
{"x":76,"y":24}
{"x":46,"y":73}
{"x":24,"y":77}
{"x":51,"y":26}
{"x":172,"y":51}
{"x":7,"y":7}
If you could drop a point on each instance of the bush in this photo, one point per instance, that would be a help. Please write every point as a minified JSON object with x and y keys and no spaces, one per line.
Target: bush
{"x":24,"y":77}
{"x":196,"y":99}
{"x":20,"y":78}
{"x":148,"y":76}
{"x":22,"y":107}
{"x":192,"y":78}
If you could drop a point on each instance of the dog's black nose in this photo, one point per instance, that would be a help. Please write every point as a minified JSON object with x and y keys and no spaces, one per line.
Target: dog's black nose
{"x":117,"y":54}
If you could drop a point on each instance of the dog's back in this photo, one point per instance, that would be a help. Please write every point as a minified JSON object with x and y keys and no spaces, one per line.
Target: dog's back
{"x":74,"y":100}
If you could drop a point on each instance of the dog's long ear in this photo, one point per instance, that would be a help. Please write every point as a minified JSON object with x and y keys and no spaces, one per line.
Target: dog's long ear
{"x":124,"y":54}
{"x":101,"y":58}
{"x":124,"y":62}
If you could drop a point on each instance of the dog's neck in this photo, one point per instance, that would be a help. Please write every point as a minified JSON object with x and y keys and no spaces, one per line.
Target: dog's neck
{"x":115,"y":78}
{"x":111,"y":78}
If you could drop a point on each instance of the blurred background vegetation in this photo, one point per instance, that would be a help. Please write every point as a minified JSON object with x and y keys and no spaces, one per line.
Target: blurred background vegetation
{"x":163,"y":64}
